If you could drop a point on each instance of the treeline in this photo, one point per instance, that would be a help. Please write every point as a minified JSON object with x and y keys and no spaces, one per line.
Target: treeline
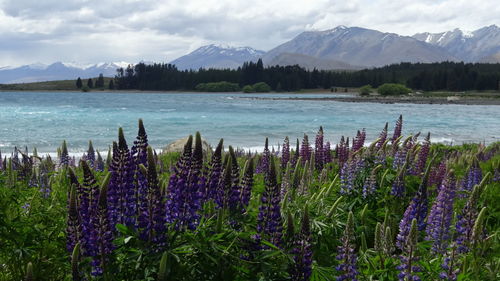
{"x":449,"y":76}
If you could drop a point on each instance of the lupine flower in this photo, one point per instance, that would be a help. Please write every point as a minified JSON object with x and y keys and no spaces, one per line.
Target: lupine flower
{"x":397,"y":129}
{"x":466,"y":220}
{"x":437,"y":174}
{"x":423,"y":155}
{"x":229,"y":190}
{"x":370,"y":185}
{"x":88,"y":198}
{"x":327,"y":152}
{"x":408,"y":268}
{"x":382,"y":137}
{"x":139,"y":155}
{"x":347,"y":253}
{"x":398,"y":185}
{"x":305,"y":149}
{"x":302,"y":251}
{"x":99,"y":163}
{"x":285,"y":153}
{"x":348,"y":175}
{"x":474,"y":176}
{"x":263,"y":166}
{"x":269,"y":223}
{"x":91,"y":155}
{"x":214,"y":173}
{"x":64,"y":159}
{"x":359,"y":141}
{"x":417,"y":209}
{"x":402,"y":155}
{"x":73,"y":228}
{"x":122,"y":200}
{"x":247,"y":183}
{"x":342,"y":151}
{"x":152,"y":220}
{"x":318,"y":150}
{"x":104,"y":235}
{"x":450,"y":266}
{"x":439,"y":220}
{"x":1,"y":161}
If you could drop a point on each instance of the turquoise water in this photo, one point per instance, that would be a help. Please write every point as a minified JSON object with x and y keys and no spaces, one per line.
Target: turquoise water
{"x":44,"y":119}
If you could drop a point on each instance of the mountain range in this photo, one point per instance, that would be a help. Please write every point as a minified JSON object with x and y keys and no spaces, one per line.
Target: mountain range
{"x":340,"y":48}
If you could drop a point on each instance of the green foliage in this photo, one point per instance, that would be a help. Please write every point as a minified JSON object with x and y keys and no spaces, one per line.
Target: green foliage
{"x":85,"y":89}
{"x":33,"y":239}
{"x":248,"y":89}
{"x":99,"y":83}
{"x":391,"y":89}
{"x":218,"y":87}
{"x":261,"y":87}
{"x":79,"y":83}
{"x":90,"y":83}
{"x":365,"y":90}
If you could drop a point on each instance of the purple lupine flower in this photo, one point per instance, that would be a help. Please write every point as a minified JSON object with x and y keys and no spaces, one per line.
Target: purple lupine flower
{"x":269,"y":222}
{"x":305,"y":149}
{"x":359,"y":141}
{"x":214,"y":173}
{"x":99,"y":163}
{"x":91,"y":155}
{"x":400,"y":158}
{"x":466,"y":220}
{"x":64,"y":159}
{"x":397,"y":129}
{"x":422,"y":155}
{"x":234,"y":195}
{"x":450,"y":266}
{"x":417,"y":209}
{"x":73,"y":228}
{"x":437,"y":174}
{"x":370,"y":185}
{"x":1,"y":161}
{"x":103,"y":234}
{"x":398,"y":185}
{"x":439,"y":220}
{"x":139,"y":155}
{"x":302,"y":251}
{"x":318,"y":150}
{"x":347,"y":253}
{"x":327,"y":153}
{"x":285,"y":153}
{"x":382,"y":137}
{"x":263,"y":166}
{"x":342,"y":151}
{"x":122,"y":201}
{"x":247,"y":183}
{"x":186,"y":186}
{"x":474,"y":176}
{"x":151,"y":219}
{"x":88,"y":198}
{"x":408,"y":267}
{"x":347,"y":178}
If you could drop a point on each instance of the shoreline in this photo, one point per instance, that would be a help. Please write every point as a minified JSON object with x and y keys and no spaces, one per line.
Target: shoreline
{"x":397,"y":100}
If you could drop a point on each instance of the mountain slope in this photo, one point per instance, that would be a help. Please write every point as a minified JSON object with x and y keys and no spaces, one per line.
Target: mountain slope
{"x":217,"y":56}
{"x":479,"y":45}
{"x":360,"y":46}
{"x":55,"y":71}
{"x":310,"y":62}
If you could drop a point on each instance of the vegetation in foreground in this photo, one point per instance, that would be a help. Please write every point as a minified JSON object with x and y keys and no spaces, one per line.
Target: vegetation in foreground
{"x":399,"y":209}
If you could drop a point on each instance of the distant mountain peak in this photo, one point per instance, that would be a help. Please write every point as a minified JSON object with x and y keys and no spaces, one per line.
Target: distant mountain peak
{"x":217,"y":56}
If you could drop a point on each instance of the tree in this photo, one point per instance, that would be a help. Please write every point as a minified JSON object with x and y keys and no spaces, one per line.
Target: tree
{"x":261,"y":87}
{"x":393,"y":89}
{"x":111,"y":85}
{"x":248,"y":89}
{"x":90,"y":83}
{"x":79,"y":83}
{"x":100,"y":81}
{"x":365,"y":90}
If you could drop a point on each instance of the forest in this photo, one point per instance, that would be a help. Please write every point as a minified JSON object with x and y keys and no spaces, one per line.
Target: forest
{"x":443,"y":76}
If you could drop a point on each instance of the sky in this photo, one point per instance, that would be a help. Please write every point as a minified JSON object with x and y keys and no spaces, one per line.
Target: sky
{"x":92,"y":31}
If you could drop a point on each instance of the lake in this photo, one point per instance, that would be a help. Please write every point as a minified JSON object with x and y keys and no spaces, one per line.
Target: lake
{"x":45,"y":119}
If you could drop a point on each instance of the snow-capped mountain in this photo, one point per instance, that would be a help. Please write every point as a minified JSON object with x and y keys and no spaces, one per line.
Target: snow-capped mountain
{"x":360,"y":46}
{"x":217,"y":56}
{"x":39,"y":72}
{"x":482,"y":45}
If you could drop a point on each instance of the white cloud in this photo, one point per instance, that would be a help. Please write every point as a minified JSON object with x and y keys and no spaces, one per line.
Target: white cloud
{"x":106,"y":30}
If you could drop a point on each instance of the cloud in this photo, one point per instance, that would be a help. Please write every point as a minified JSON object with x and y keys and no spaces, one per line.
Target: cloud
{"x":105,"y":30}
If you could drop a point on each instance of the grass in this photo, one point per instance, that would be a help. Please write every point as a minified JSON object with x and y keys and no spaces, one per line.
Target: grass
{"x":59,"y":85}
